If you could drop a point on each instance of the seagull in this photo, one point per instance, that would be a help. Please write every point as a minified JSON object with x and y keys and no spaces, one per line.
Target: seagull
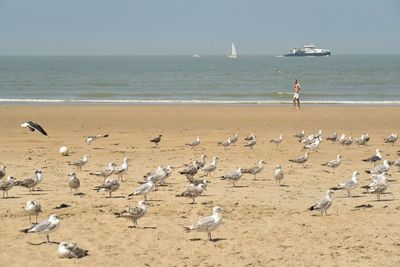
{"x":391,"y":138}
{"x":190,"y":170}
{"x":314,"y":145}
{"x":70,"y":251}
{"x":6,"y":185}
{"x":301,"y":160}
{"x":192,"y":191}
{"x":333,"y":163}
{"x":31,"y":183}
{"x":308,"y":140}
{"x":201,"y":162}
{"x":196,"y":182}
{"x":333,"y":138}
{"x":234,"y":176}
{"x":225,"y":143}
{"x":365,"y":137}
{"x":32,"y":208}
{"x":167,"y":173}
{"x":250,"y":137}
{"x":324,"y":204}
{"x":396,"y":163}
{"x":255,"y":169}
{"x":210,"y":168}
{"x":90,"y":139}
{"x":105,"y":173}
{"x":251,"y":142}
{"x":2,"y":172}
{"x":374,"y":159}
{"x":300,"y":135}
{"x":346,"y":141}
{"x":318,"y":135}
{"x":277,"y":140}
{"x":144,"y":189}
{"x":360,"y":141}
{"x":134,"y":214}
{"x":121,"y":170}
{"x":45,"y":227}
{"x":378,"y":186}
{"x":156,"y":140}
{"x":194,"y":143}
{"x":80,"y":162}
{"x":34,"y":126}
{"x":155,"y":176}
{"x":380,"y":168}
{"x":235,"y":138}
{"x":109,"y":186}
{"x":207,"y":224}
{"x":349,"y":185}
{"x":73,"y":182}
{"x":278,"y":174}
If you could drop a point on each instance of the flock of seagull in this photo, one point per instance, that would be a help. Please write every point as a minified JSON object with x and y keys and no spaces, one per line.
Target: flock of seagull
{"x":197,"y":183}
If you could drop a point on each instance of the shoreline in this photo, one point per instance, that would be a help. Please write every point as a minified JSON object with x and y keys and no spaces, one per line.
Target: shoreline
{"x":60,"y":102}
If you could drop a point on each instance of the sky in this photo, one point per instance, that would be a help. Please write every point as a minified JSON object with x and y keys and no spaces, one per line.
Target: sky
{"x":184,"y":27}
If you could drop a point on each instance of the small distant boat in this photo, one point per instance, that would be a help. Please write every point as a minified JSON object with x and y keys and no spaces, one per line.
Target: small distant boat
{"x":233,"y":53}
{"x":196,"y":55}
{"x":308,"y":50}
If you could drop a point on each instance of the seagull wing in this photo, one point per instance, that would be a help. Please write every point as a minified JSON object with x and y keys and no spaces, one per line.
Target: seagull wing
{"x":37,"y":127}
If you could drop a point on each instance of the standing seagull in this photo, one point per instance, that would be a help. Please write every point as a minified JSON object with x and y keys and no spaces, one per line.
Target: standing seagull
{"x":250,"y":137}
{"x":234,"y":138}
{"x":192,"y":191}
{"x":156,"y":140}
{"x":32,"y":208}
{"x":233,"y":176}
{"x":225,"y":143}
{"x":374,"y":159}
{"x":380,"y":168}
{"x":33,"y":126}
{"x":349,"y":185}
{"x":324,"y":204}
{"x":378,"y":186}
{"x":391,"y":138}
{"x":7,"y":185}
{"x":194,"y":143}
{"x":210,"y":168}
{"x":134,"y":214}
{"x":80,"y":162}
{"x":73,"y":182}
{"x":251,"y":143}
{"x":121,"y":170}
{"x":45,"y":227}
{"x":109,"y":186}
{"x":207,"y":224}
{"x":90,"y":139}
{"x":332,"y":138}
{"x":105,"y":173}
{"x":278,"y":174}
{"x":277,"y":140}
{"x":144,"y":189}
{"x":31,"y":183}
{"x":300,"y":135}
{"x":301,"y":160}
{"x":256,"y":169}
{"x":333,"y":163}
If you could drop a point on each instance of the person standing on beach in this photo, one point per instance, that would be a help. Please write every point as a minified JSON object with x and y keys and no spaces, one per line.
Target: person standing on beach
{"x":296,"y":96}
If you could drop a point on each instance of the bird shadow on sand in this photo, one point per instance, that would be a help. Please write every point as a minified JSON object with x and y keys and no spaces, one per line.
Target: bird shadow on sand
{"x":79,"y":194}
{"x":116,"y":197}
{"x":33,"y":194}
{"x":44,"y":242}
{"x":284,"y":185}
{"x":13,"y":197}
{"x":382,"y":200}
{"x":212,"y":240}
{"x":238,"y":186}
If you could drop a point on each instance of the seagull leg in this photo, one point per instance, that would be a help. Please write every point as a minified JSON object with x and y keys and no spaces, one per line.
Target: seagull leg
{"x":209,"y":236}
{"x":194,"y":202}
{"x":30,"y":221}
{"x":348,"y":193}
{"x":145,"y":197}
{"x":109,"y":195}
{"x":254,"y":177}
{"x":36,"y":218}
{"x":48,"y":238}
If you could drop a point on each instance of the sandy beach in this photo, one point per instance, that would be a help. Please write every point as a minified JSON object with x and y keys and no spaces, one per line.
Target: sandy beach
{"x":263,"y":224}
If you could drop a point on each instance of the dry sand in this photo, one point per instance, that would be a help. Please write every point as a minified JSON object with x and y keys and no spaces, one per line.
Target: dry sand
{"x":263,"y":224}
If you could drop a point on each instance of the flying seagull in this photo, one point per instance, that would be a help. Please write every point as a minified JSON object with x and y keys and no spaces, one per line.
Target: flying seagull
{"x":90,"y":139}
{"x":33,"y":126}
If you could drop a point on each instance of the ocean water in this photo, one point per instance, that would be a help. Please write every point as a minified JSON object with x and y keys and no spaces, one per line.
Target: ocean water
{"x":208,"y":79}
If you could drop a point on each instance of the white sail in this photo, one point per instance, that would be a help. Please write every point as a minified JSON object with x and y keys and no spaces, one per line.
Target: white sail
{"x":233,"y":52}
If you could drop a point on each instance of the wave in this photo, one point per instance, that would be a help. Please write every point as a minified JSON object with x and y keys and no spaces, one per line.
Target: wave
{"x":180,"y":101}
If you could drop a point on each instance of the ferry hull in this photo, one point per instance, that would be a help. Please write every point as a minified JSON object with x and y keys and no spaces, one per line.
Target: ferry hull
{"x":308,"y":54}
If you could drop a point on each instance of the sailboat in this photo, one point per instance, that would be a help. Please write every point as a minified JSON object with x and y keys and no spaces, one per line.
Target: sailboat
{"x":233,"y":53}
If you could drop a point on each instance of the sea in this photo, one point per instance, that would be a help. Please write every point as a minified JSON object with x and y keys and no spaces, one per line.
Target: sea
{"x":338,"y":79}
